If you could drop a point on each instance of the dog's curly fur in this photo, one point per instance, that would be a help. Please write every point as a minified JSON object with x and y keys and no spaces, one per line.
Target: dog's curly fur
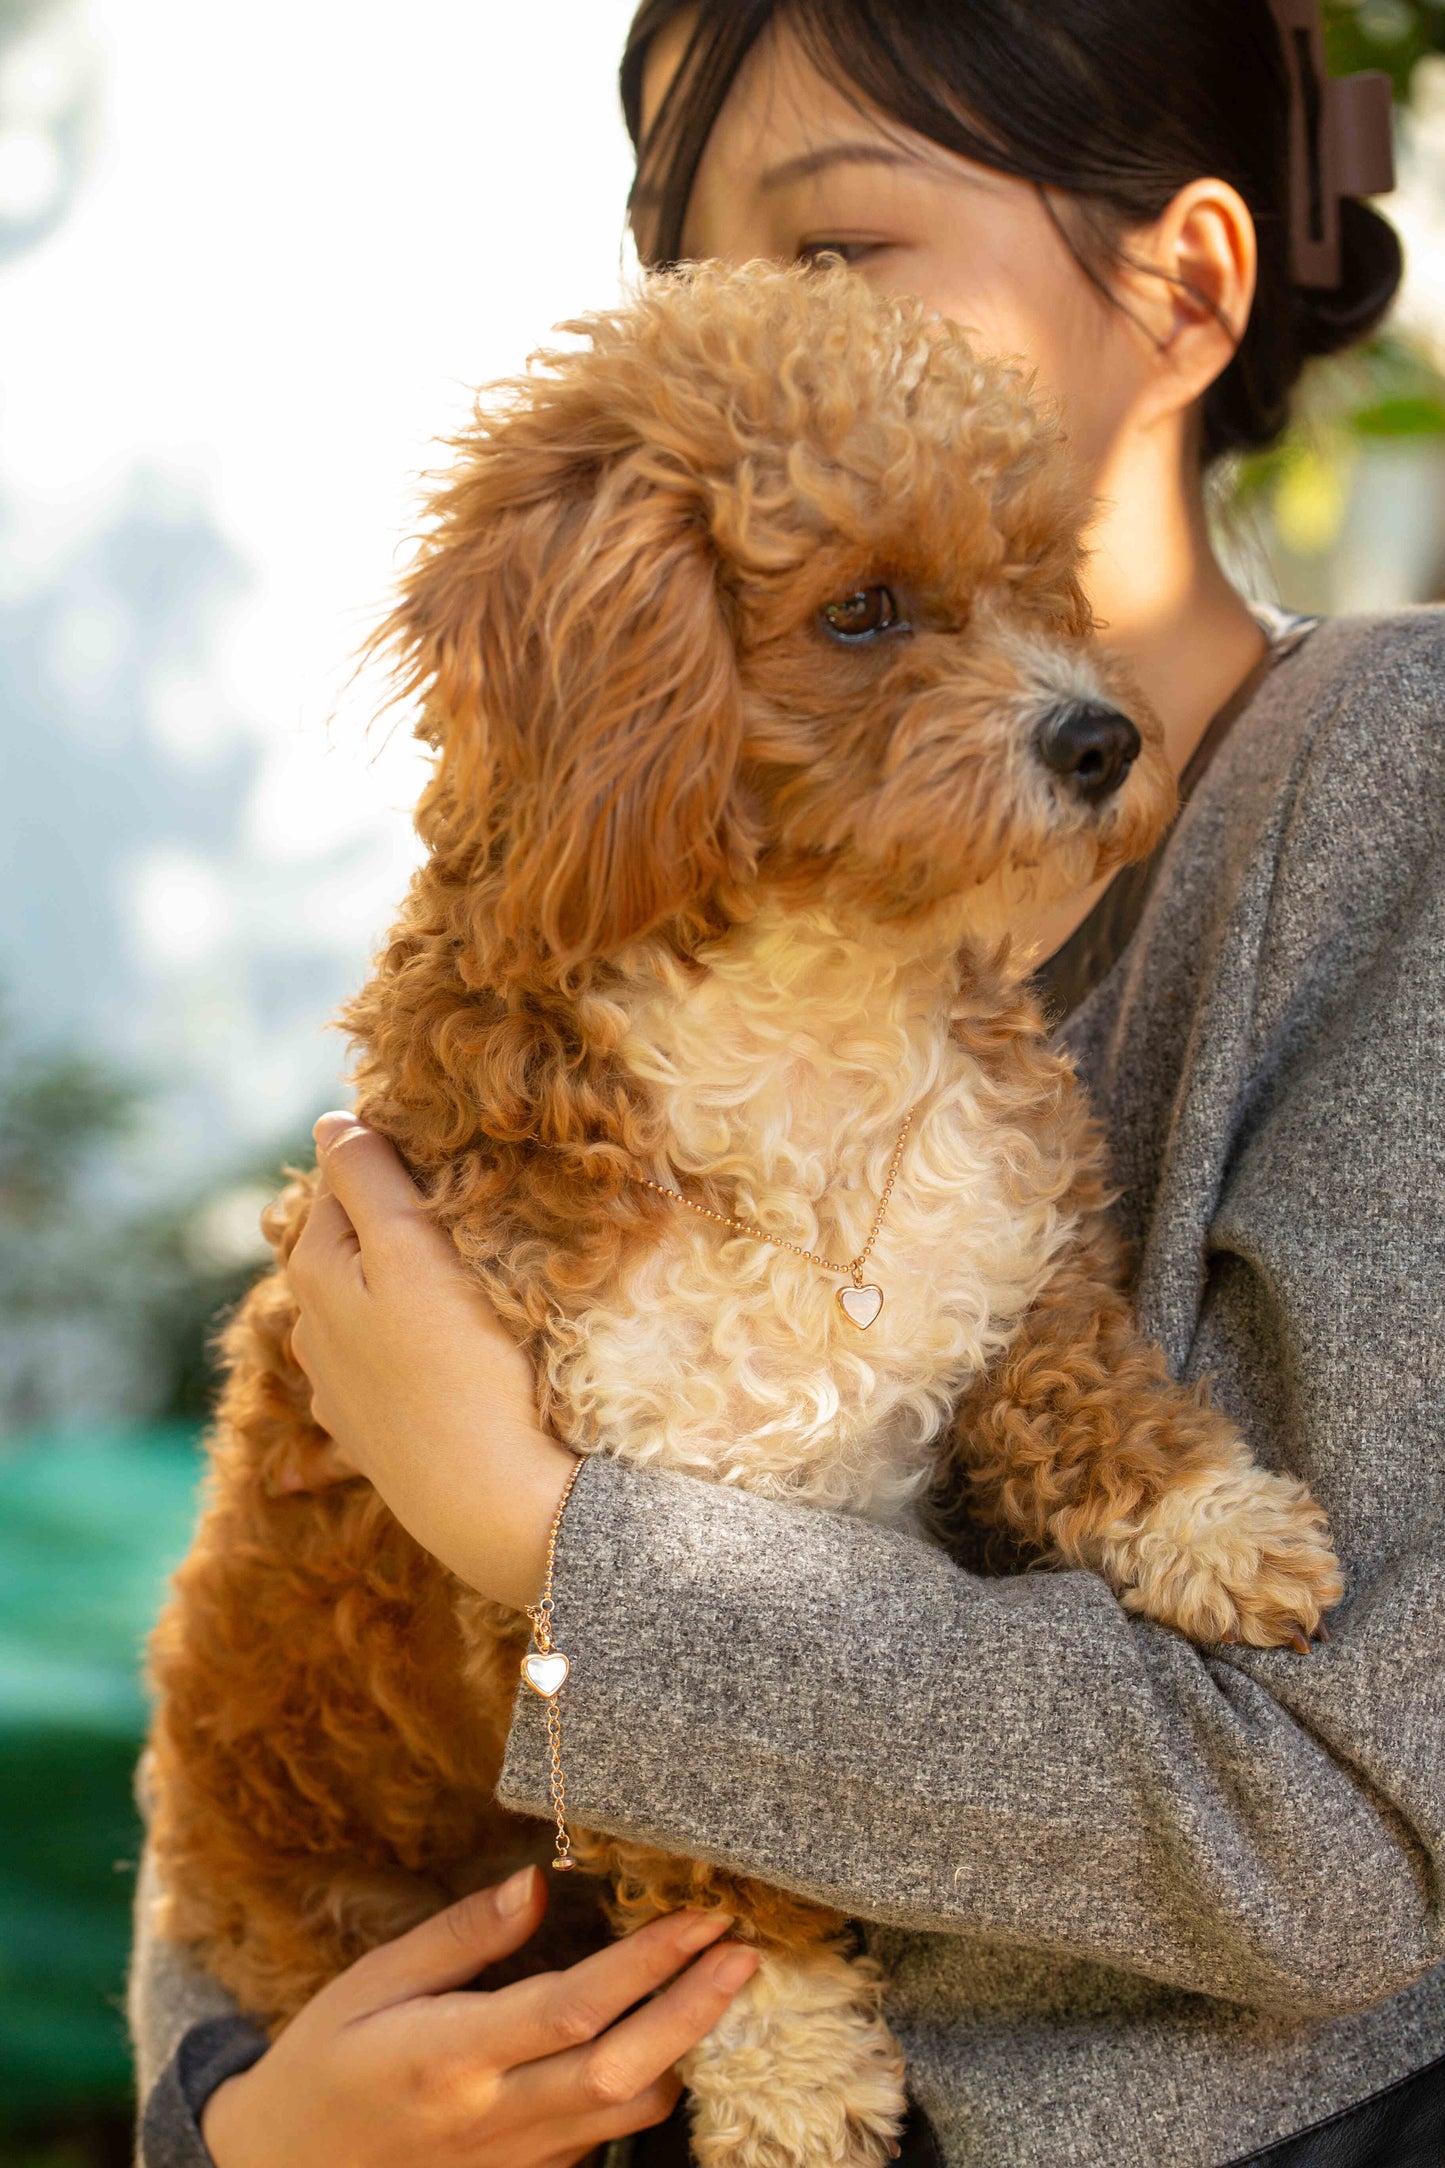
{"x":713,"y":898}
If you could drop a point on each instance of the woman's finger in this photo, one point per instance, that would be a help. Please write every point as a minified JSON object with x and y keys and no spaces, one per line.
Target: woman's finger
{"x":579,"y":2136}
{"x":327,"y":1243}
{"x":558,"y":2010}
{"x":306,"y":1462}
{"x":623,"y":2062}
{"x":364,"y":1171}
{"x":447,"y":1950}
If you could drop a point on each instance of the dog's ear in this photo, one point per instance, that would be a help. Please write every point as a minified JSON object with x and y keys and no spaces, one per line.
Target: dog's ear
{"x":565,"y":624}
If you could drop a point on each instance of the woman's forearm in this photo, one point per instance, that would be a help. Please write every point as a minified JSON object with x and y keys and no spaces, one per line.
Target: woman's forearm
{"x":841,"y":1710}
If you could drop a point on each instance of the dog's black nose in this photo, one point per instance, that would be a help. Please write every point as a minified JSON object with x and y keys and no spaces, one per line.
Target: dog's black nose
{"x":1089,"y":745}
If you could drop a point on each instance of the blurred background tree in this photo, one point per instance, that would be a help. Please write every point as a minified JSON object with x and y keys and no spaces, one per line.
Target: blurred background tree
{"x":1391,"y":34}
{"x":108,"y":1310}
{"x":1348,"y":511}
{"x":107,"y":1323}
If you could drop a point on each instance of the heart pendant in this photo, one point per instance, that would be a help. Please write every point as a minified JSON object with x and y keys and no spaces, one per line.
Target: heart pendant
{"x":860,"y":1305}
{"x":545,"y":1674}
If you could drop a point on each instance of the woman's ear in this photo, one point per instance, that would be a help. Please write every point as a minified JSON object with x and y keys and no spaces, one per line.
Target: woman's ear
{"x":566,"y":625}
{"x":1189,"y":279}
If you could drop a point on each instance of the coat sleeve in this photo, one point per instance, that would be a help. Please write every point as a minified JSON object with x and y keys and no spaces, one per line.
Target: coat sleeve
{"x":844,"y":1711}
{"x":840,"y":1710}
{"x":187,"y":2036}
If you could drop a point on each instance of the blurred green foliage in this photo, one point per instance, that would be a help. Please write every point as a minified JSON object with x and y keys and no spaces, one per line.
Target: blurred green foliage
{"x":190,"y":1287}
{"x":1390,"y":34}
{"x":92,"y":1517}
{"x":154,"y":1282}
{"x":1298,"y":496}
{"x":87,"y":2138}
{"x":1387,"y":389}
{"x":54,"y":1109}
{"x":91,"y":1520}
{"x":90,"y":1524}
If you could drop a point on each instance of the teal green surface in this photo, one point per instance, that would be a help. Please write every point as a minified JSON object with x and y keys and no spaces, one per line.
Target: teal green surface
{"x":90,"y":1525}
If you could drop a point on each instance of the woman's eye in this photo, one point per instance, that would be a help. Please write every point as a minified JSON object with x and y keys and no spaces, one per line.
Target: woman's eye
{"x":864,"y":615}
{"x":817,"y":253}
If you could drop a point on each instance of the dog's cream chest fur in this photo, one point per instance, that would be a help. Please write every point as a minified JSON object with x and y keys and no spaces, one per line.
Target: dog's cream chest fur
{"x":785,"y":1072}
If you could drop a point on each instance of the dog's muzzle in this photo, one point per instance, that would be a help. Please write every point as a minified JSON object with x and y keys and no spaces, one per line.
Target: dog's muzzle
{"x":1089,"y":746}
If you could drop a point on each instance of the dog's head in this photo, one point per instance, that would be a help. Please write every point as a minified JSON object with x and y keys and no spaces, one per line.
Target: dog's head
{"x":769,"y":584}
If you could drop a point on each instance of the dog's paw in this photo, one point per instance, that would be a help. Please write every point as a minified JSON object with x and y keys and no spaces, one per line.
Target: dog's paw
{"x":1241,"y":1555}
{"x":801,"y":2072}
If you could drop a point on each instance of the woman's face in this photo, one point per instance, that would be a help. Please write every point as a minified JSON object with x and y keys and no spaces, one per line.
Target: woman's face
{"x":795,"y":167}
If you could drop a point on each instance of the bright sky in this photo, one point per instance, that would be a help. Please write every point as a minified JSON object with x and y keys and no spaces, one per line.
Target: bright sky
{"x":312,"y":227}
{"x":309,"y":228}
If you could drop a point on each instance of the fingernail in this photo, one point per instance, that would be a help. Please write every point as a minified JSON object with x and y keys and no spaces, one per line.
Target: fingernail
{"x":732,"y":1967}
{"x":329,"y":1125}
{"x":515,"y":1894}
{"x":694,"y":1930}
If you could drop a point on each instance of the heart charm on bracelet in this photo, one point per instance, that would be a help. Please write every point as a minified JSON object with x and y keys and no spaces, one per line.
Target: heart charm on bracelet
{"x":860,"y":1305}
{"x":545,"y":1673}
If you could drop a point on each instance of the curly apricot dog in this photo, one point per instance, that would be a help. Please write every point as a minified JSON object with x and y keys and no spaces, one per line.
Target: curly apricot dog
{"x":763,"y":696}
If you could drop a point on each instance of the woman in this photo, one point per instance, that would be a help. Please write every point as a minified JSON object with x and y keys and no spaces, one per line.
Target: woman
{"x":1138,"y":1903}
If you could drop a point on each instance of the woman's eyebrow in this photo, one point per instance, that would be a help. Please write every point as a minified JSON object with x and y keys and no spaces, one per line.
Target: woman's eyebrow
{"x":808,"y":163}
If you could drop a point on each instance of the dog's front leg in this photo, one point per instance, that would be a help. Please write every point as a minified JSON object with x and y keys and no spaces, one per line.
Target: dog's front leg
{"x":801,"y":2071}
{"x":1081,"y":1446}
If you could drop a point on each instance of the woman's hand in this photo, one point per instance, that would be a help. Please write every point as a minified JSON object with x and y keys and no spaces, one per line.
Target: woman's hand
{"x":413,"y":1374}
{"x":389,"y":2067}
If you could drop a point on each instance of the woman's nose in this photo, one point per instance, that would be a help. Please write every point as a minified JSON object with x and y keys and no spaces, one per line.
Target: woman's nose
{"x":1089,"y":745}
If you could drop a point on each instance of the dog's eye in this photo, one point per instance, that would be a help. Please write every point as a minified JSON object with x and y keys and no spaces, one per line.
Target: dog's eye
{"x":863,"y":616}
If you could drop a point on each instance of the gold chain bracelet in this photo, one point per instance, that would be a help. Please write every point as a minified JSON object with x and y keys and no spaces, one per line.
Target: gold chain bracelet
{"x":545,"y":1670}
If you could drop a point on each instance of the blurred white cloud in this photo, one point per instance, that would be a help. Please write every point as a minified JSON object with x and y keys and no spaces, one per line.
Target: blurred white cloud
{"x":180,"y":906}
{"x":188,"y":717}
{"x":30,"y":173}
{"x":308,"y":233}
{"x":226,"y":1230}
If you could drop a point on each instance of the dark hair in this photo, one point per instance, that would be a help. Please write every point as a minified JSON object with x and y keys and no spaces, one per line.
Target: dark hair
{"x":1116,"y":103}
